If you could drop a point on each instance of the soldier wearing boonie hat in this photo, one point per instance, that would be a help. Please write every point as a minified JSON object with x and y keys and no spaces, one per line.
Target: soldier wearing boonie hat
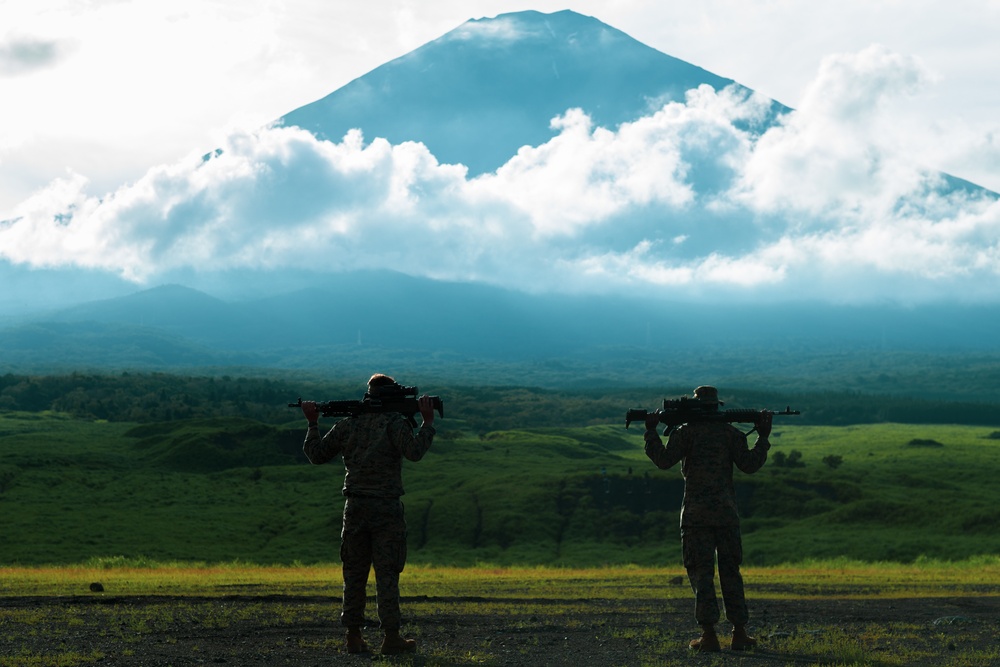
{"x":710,"y":524}
{"x":373,"y":534}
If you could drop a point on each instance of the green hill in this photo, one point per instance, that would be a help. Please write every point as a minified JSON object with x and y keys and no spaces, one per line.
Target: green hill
{"x":218,"y":489}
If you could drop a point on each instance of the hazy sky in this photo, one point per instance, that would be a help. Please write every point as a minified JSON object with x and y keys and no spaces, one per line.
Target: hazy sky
{"x":117,"y":96}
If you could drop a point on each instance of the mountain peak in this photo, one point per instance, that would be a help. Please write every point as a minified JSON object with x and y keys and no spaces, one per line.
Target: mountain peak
{"x":455,"y":92}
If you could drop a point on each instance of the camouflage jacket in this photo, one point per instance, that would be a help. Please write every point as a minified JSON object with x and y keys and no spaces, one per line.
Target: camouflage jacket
{"x":708,"y":452}
{"x":373,"y":447}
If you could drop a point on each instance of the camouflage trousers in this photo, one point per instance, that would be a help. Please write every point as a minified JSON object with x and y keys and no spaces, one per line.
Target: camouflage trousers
{"x":700,"y":545}
{"x":373,"y":534}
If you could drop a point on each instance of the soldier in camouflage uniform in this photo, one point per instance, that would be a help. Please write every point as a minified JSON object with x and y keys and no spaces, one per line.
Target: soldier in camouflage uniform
{"x":374,"y":532}
{"x":710,"y":523}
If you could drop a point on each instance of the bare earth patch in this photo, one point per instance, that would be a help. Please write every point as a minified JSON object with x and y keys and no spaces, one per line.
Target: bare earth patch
{"x":265,"y":631}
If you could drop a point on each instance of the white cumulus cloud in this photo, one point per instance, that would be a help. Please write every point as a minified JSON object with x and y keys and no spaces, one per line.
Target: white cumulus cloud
{"x":823,"y":205}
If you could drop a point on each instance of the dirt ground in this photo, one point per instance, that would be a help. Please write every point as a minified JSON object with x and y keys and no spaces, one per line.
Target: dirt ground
{"x":266,"y":631}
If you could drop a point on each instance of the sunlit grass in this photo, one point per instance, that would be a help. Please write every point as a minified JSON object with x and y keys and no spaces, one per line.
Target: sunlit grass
{"x":839,"y":577}
{"x":617,"y":605}
{"x":67,"y":659}
{"x":840,"y":647}
{"x":150,"y":578}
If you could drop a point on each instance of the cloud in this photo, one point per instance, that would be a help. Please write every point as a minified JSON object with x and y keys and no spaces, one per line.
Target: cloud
{"x":687,"y":201}
{"x":504,"y":30}
{"x":834,"y":153}
{"x":22,"y":54}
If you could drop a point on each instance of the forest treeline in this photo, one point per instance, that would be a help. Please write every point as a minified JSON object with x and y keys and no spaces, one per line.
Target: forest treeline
{"x":161,"y":397}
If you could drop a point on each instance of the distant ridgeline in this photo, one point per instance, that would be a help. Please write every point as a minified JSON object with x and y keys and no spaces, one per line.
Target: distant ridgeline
{"x":479,"y":334}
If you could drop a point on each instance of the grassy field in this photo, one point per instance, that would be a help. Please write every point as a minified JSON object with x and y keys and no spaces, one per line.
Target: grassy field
{"x":841,"y":578}
{"x":816,"y":613}
{"x":224,"y":490}
{"x":213,"y":540}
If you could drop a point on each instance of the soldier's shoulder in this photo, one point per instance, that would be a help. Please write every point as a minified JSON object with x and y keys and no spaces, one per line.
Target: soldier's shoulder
{"x":704,"y":427}
{"x":377,"y":418}
{"x":716,"y":431}
{"x":380,"y":420}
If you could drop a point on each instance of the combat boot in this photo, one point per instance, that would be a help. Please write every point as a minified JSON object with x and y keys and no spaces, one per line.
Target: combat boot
{"x":741,"y":640}
{"x":708,"y":642}
{"x":355,"y":640}
{"x":394,"y":643}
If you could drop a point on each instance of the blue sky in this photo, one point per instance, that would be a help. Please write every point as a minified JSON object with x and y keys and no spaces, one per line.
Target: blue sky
{"x":106,"y":106}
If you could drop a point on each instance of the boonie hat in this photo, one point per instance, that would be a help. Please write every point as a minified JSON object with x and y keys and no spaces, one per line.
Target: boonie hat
{"x":708,"y":394}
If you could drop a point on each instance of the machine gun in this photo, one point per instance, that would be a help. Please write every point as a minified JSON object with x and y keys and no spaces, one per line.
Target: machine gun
{"x":386,"y":398}
{"x":685,"y":410}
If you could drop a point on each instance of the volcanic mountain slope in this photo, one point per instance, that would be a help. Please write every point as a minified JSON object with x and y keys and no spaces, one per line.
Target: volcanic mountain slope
{"x":478,"y":93}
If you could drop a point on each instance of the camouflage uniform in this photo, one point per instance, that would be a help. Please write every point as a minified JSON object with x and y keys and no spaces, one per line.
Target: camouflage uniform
{"x":710,"y":522}
{"x":374,"y":532}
